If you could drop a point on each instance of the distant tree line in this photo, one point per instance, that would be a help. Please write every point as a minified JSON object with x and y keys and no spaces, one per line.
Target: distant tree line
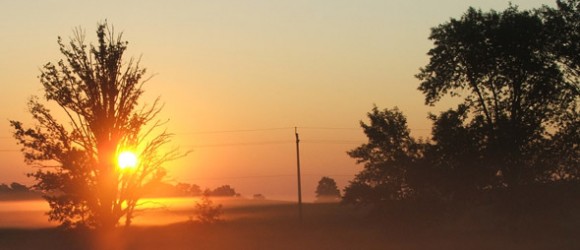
{"x":17,"y":191}
{"x":163,"y":189}
{"x":513,"y":136}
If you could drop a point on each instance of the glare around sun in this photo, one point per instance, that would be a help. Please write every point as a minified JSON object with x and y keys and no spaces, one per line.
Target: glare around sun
{"x":127,"y":160}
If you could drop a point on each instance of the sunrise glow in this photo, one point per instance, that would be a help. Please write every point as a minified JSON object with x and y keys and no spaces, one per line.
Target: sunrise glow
{"x":127,"y":160}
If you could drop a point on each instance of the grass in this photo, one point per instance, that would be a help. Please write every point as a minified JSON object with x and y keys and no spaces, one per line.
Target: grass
{"x":275,"y":225}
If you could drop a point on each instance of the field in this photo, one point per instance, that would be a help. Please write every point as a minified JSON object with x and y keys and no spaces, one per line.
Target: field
{"x":275,"y":225}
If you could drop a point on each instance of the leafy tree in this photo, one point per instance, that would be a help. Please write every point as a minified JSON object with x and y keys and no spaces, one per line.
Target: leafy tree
{"x":195,"y":190}
{"x":327,"y":190}
{"x":513,"y":87}
{"x":388,"y":156}
{"x":563,"y":152}
{"x":224,"y":190}
{"x":562,"y":31}
{"x":182,"y":189}
{"x":98,"y":93}
{"x":452,"y":165}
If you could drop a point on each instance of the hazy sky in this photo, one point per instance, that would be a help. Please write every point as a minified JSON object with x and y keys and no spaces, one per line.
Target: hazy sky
{"x":225,"y":66}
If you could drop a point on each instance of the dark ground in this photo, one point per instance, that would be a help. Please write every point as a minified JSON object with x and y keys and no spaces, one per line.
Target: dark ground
{"x":269,"y":225}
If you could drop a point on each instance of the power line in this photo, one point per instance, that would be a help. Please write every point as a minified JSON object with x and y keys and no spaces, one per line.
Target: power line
{"x":264,"y":176}
{"x":278,"y":128}
{"x":257,"y":143}
{"x":328,"y":128}
{"x":8,"y":150}
{"x":235,"y":131}
{"x":258,"y":130}
{"x":238,"y":144}
{"x":332,"y":142}
{"x":240,"y":177}
{"x":264,"y":129}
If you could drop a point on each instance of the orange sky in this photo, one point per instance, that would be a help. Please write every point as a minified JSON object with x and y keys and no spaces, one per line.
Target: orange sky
{"x":224,"y":67}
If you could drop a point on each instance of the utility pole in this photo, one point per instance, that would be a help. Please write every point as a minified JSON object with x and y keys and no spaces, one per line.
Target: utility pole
{"x":298,"y":168}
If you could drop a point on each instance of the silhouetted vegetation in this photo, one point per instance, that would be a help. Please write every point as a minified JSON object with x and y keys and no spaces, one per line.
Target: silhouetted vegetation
{"x":98,"y":93}
{"x":17,"y":191}
{"x":514,"y":134}
{"x":327,"y":191}
{"x":206,"y":211}
{"x":225,"y":191}
{"x":163,"y":189}
{"x":186,"y":189}
{"x":387,"y":157}
{"x":258,"y":197}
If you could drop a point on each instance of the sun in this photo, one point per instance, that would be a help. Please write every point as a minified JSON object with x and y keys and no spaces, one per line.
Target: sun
{"x":126,"y":160}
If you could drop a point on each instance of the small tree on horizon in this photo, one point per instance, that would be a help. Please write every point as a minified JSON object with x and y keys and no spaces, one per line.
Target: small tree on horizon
{"x":225,"y":191}
{"x":98,"y":93}
{"x":327,"y":190}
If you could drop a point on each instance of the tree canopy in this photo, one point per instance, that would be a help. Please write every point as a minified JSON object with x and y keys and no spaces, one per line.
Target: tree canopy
{"x":327,"y":190}
{"x":508,"y":68}
{"x":515,"y":75}
{"x":389,"y":153}
{"x":224,"y":190}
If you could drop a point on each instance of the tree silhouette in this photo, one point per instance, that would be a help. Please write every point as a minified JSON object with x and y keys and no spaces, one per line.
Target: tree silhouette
{"x":224,"y":190}
{"x":513,"y":135}
{"x":98,"y":93}
{"x":17,"y":187}
{"x":186,"y":189}
{"x":17,"y":191}
{"x":206,"y":211}
{"x":327,"y":190}
{"x":388,"y":156}
{"x":258,"y":197}
{"x":508,"y":70}
{"x":562,"y":30}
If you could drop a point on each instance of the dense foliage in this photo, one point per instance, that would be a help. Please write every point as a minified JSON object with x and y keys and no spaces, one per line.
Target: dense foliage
{"x":516,"y":76}
{"x":387,"y":157}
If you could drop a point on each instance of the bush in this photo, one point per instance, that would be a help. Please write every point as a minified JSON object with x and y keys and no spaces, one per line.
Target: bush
{"x":206,"y":212}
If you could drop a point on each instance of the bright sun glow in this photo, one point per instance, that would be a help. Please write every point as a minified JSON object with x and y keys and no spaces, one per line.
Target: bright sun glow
{"x":127,"y":160}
